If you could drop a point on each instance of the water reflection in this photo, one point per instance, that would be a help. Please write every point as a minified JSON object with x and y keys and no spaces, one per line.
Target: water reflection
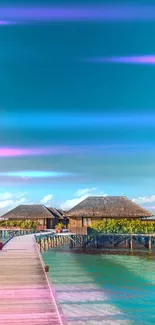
{"x":116,"y":288}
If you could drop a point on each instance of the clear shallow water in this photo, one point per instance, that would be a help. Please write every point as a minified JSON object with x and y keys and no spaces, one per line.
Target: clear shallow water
{"x":2,"y":240}
{"x":103,"y":289}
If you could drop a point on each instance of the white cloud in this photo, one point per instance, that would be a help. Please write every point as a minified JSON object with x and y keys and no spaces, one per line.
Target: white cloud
{"x":144,"y":199}
{"x":47,"y":200}
{"x":9,"y":200}
{"x":85,"y":191}
{"x":102,"y":194}
{"x":6,"y":196}
{"x":67,"y":205}
{"x":6,"y":204}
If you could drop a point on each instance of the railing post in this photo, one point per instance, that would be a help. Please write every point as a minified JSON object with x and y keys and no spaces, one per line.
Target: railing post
{"x":71,"y":242}
{"x":131,"y":242}
{"x":150,"y":242}
{"x":97,"y":241}
{"x":113,"y":241}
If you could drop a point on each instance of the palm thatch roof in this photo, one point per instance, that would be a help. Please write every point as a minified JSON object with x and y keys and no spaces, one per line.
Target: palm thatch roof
{"x":108,"y":206}
{"x":29,"y":211}
{"x":56,"y":213}
{"x":62,"y":212}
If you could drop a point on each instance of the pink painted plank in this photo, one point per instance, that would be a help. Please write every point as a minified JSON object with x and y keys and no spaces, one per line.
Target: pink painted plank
{"x":25,"y":294}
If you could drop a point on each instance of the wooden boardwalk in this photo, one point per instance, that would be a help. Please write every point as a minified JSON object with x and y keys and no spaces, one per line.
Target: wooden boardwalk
{"x":25,"y":293}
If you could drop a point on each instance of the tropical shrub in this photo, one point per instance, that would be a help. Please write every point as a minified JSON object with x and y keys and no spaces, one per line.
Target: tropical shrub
{"x":124,"y":226}
{"x":59,"y":226}
{"x":23,"y":224}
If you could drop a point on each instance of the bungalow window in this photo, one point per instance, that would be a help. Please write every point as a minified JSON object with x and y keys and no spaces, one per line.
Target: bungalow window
{"x":86,"y":222}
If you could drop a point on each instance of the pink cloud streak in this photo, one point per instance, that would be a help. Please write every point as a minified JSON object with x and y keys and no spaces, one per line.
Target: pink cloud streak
{"x":57,"y":150}
{"x":140,"y":59}
{"x":16,"y":152}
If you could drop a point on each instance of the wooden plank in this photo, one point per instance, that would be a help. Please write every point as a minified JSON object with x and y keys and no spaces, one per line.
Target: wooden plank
{"x":25,"y":294}
{"x":150,"y":242}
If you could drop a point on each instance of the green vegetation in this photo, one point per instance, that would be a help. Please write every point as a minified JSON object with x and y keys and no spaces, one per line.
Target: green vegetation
{"x":59,"y":226}
{"x":23,"y":224}
{"x":124,"y":226}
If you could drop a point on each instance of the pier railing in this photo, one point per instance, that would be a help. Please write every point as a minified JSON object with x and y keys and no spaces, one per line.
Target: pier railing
{"x":111,"y":241}
{"x":100,"y":240}
{"x":49,"y":241}
{"x":9,"y":233}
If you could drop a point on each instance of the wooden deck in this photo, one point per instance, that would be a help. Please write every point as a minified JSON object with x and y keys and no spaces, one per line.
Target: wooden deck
{"x":25,"y":293}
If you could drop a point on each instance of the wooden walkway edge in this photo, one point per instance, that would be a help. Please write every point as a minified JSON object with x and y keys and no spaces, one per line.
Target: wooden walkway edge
{"x":26,"y":293}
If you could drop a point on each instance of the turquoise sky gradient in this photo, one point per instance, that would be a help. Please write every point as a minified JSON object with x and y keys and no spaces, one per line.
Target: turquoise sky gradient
{"x":95,"y":122}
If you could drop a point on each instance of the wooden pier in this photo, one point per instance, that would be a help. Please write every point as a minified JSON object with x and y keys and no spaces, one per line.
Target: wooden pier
{"x":26,"y":296}
{"x":49,"y":241}
{"x":100,"y":240}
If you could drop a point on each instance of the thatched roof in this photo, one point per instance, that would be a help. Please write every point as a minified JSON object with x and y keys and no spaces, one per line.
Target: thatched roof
{"x":29,"y":211}
{"x":108,"y":206}
{"x":60,"y":211}
{"x":56,"y":213}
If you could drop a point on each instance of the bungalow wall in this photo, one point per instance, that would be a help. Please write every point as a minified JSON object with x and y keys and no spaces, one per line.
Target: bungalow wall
{"x":42,"y":224}
{"x":46,"y":223}
{"x":81,"y":224}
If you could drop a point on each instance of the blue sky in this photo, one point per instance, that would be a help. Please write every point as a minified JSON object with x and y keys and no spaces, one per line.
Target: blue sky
{"x":71,"y":124}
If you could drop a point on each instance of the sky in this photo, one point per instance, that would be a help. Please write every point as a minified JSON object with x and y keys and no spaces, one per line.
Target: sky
{"x":77,"y":101}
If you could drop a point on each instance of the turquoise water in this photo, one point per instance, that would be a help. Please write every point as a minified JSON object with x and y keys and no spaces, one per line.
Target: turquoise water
{"x":103,"y":289}
{"x":2,"y":240}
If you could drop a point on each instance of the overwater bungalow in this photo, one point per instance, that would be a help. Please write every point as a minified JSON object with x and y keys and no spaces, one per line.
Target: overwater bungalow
{"x":46,"y":217}
{"x":59,"y":215}
{"x":96,"y":208}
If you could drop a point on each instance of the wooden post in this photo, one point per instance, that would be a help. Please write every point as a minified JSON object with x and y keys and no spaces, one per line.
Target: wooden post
{"x":45,"y":243}
{"x":150,"y":242}
{"x":71,"y":242}
{"x":113,"y":241}
{"x":97,"y":241}
{"x":81,"y":241}
{"x":147,"y":238}
{"x":126,"y":242}
{"x":41,"y":244}
{"x":131,"y":242}
{"x":49,"y":242}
